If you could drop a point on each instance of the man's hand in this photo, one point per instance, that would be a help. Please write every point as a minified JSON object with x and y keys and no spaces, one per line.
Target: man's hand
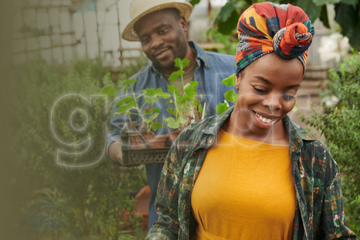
{"x":115,"y":151}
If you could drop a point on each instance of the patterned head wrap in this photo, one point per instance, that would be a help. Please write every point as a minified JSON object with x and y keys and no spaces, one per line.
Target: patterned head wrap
{"x":267,"y":27}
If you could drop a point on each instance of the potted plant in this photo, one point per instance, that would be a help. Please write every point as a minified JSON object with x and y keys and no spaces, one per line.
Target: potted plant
{"x":186,"y":104}
{"x":148,"y":114}
{"x":141,"y":146}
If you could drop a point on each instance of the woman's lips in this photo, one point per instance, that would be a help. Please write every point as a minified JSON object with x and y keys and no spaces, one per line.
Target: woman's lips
{"x":264,"y":124}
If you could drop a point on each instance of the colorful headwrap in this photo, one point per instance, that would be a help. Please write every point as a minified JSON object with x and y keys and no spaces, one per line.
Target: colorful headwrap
{"x":267,"y":27}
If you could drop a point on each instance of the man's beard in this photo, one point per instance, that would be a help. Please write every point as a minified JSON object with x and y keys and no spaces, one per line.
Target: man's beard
{"x":179,"y":52}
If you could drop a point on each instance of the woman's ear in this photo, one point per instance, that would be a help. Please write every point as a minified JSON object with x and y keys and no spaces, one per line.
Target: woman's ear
{"x":238,"y":78}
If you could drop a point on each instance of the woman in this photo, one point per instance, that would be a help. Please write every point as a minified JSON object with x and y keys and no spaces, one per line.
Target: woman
{"x":252,"y":173}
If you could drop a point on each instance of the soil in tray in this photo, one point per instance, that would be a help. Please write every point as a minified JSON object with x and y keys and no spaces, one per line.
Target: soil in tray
{"x":157,"y":141}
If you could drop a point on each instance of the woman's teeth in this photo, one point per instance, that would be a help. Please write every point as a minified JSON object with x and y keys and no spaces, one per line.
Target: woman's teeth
{"x":265,"y":120}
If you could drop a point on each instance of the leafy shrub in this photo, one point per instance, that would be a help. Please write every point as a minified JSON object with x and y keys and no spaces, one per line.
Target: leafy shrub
{"x":71,"y":188}
{"x":340,"y":126}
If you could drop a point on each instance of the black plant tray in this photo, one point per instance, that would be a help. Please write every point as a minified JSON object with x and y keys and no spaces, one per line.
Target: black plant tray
{"x":138,"y":156}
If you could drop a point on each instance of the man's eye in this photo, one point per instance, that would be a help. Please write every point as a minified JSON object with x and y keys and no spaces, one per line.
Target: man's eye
{"x":288,"y":97}
{"x":144,"y":40}
{"x":162,"y":31}
{"x":260,"y":91}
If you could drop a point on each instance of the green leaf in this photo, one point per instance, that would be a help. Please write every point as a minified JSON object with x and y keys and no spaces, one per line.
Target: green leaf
{"x":231,"y":96}
{"x":151,"y":118}
{"x":150,"y":91}
{"x":170,"y":121}
{"x":125,"y":108}
{"x":193,"y":84}
{"x":221,"y":107}
{"x":190,"y":93}
{"x":350,"y":2}
{"x":153,"y":110}
{"x":227,"y":18}
{"x":324,"y":16}
{"x":129,"y":81}
{"x":171,"y":110}
{"x":324,"y":2}
{"x":127,"y":88}
{"x":346,"y":16}
{"x":155,"y":126}
{"x":160,"y":93}
{"x":108,"y":91}
{"x":181,"y":63}
{"x":181,"y":120}
{"x":235,"y":64}
{"x":173,"y":89}
{"x":312,"y":10}
{"x":169,"y":101}
{"x":175,"y":75}
{"x":194,"y":2}
{"x":225,"y":12}
{"x":229,"y":25}
{"x":128,"y":99}
{"x":149,"y":99}
{"x":190,"y":86}
{"x":230,"y":81}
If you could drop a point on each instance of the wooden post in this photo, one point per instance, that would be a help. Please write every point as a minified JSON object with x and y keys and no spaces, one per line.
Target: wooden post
{"x":83,"y":18}
{"x":118,"y":17}
{"x":97,"y":30}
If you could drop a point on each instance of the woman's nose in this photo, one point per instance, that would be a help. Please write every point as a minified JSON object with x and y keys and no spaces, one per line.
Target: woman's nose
{"x":273,"y":102}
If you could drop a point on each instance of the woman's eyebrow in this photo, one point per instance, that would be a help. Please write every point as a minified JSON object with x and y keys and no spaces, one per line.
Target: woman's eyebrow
{"x":270,"y":83}
{"x":264,"y":80}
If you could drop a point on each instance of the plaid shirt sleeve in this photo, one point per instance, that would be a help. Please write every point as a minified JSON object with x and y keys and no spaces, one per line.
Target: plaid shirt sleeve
{"x":333,"y":217}
{"x":166,"y":204}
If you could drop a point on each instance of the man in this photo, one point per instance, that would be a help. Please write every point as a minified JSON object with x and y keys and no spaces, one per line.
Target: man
{"x":161,"y":27}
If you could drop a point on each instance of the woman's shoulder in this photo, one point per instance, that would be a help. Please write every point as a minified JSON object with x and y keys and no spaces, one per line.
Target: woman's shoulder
{"x":316,"y":155}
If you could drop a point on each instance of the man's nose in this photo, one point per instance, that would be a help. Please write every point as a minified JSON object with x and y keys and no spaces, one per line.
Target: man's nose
{"x":273,"y":102}
{"x":156,"y":42}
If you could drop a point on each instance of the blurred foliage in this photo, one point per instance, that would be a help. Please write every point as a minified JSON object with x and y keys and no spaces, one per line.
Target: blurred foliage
{"x":347,"y":15}
{"x":340,"y":125}
{"x":69,"y":188}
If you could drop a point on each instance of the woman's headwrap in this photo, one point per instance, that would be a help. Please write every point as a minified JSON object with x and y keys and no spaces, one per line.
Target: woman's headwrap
{"x":267,"y":27}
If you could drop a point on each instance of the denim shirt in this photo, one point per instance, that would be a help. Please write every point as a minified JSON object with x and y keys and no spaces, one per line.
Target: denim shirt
{"x":319,"y":212}
{"x":211,"y":69}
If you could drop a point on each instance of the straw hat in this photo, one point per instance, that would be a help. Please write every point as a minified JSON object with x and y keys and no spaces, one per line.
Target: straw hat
{"x":140,"y":8}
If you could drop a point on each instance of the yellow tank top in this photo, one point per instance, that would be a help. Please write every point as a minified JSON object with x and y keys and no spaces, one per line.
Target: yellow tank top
{"x":245,"y":190}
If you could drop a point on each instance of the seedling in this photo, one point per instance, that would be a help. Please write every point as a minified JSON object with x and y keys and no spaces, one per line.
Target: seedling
{"x":184,"y":99}
{"x":147,"y":112}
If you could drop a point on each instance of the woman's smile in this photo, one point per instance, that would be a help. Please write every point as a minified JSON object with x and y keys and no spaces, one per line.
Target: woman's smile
{"x":264,"y":121}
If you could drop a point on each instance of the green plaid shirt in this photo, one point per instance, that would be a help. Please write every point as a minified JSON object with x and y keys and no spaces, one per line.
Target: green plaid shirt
{"x":319,"y":210}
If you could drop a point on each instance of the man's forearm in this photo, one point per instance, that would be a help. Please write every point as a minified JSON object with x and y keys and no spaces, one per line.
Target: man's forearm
{"x":115,"y":151}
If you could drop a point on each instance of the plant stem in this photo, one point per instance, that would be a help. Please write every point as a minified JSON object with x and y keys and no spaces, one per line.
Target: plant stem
{"x":132,"y":123}
{"x":182,"y":83}
{"x":137,"y":107}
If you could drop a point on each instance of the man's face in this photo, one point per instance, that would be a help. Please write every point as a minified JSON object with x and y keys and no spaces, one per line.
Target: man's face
{"x":162,"y":37}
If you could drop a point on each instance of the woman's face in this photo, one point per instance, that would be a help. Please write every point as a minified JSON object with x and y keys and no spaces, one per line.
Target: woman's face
{"x":267,"y":92}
